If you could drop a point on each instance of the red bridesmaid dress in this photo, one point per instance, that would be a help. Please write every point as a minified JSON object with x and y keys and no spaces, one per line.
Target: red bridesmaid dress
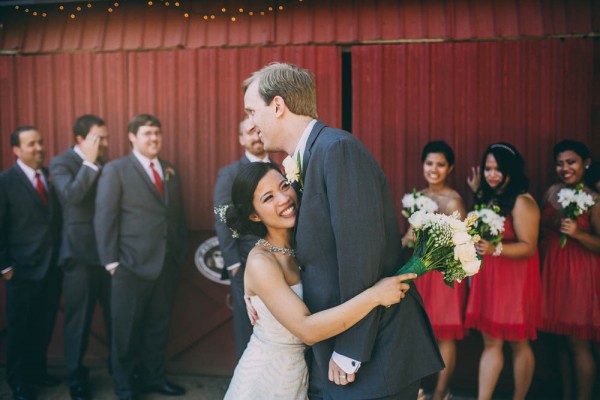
{"x":504,"y":300}
{"x":570,"y":281}
{"x":444,"y":305}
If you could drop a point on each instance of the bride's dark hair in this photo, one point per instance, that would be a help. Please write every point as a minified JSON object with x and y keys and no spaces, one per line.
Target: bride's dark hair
{"x":237,"y":217}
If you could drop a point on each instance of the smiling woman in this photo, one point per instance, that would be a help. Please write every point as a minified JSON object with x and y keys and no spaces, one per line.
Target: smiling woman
{"x":273,"y":365}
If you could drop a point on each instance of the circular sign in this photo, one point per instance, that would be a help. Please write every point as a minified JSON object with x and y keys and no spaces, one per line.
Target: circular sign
{"x":209,"y":260}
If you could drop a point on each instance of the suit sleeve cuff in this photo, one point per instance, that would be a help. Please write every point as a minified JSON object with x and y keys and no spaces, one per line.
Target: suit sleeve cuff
{"x":233,"y":266}
{"x":5,"y":270}
{"x":91,"y":165}
{"x":111,"y":266}
{"x":349,"y":365}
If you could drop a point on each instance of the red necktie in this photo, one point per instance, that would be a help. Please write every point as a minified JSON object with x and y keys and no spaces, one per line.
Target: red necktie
{"x":40,"y":188}
{"x":157,"y":181}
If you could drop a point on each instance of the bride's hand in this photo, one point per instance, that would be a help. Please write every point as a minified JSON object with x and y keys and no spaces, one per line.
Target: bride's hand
{"x":391,"y":290}
{"x":252,"y":314}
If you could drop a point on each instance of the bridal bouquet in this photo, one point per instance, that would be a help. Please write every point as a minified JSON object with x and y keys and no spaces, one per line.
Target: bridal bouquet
{"x":574,"y":202}
{"x":443,"y":242}
{"x":488,"y":224}
{"x":415,"y":201}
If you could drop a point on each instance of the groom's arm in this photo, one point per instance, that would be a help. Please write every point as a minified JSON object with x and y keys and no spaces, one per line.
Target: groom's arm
{"x":354,"y":191}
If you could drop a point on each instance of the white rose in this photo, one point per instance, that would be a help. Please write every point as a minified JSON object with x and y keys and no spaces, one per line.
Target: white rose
{"x":408,"y":201}
{"x":471,"y":268}
{"x":465,"y":253}
{"x":291,"y":169}
{"x":460,"y":238}
{"x":417,"y":219}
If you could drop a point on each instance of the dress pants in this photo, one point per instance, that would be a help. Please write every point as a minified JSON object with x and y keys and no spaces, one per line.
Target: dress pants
{"x":31,"y":308}
{"x":140,"y":311}
{"x":83,"y":286}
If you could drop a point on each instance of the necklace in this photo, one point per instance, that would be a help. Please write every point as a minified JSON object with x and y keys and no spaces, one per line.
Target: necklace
{"x":275,"y":249}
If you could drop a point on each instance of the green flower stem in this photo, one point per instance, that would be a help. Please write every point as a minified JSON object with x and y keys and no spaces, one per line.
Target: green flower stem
{"x":413,"y":265}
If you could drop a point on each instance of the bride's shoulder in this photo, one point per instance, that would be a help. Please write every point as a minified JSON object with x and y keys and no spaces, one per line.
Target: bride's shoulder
{"x":262,"y":263}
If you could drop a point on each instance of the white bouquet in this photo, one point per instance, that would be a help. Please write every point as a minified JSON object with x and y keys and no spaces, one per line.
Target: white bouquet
{"x":443,"y":243}
{"x":488,"y":224}
{"x":415,"y":201}
{"x":574,"y":202}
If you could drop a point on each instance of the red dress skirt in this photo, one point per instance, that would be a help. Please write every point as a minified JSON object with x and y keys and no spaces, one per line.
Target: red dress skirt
{"x":504,"y":300}
{"x":444,"y":305}
{"x":570,"y":281}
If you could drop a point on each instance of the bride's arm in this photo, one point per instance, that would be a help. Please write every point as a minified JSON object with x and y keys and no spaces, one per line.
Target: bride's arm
{"x":264,"y":277}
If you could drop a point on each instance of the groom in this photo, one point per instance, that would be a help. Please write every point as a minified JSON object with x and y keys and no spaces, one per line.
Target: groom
{"x":347,"y":238}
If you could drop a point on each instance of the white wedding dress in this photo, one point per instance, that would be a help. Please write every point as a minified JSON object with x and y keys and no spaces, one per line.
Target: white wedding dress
{"x":272,"y":366}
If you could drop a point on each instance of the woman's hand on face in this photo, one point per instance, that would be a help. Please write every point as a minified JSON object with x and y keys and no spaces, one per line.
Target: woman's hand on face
{"x":475,"y":179}
{"x":484,"y":247}
{"x":391,"y":290}
{"x":568,"y":226}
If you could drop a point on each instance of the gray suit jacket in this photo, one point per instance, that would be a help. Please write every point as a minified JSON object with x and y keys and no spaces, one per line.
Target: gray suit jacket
{"x":234,"y":250}
{"x":76,"y":186}
{"x":29,"y":230}
{"x":134,"y":225}
{"x":347,"y":238}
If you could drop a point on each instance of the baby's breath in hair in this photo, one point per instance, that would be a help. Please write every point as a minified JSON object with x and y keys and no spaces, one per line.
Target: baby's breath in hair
{"x":221,"y":211}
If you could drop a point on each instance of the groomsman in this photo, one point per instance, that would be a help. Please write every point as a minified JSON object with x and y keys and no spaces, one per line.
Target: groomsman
{"x":29,"y":246}
{"x":235,"y":250}
{"x":75,"y":175}
{"x":141,"y":234}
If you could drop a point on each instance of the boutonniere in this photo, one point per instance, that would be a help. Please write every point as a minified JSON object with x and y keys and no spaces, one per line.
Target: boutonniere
{"x":293,"y":170}
{"x":169,"y":172}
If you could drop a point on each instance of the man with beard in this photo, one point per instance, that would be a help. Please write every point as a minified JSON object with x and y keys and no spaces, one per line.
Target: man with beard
{"x":235,"y":250}
{"x":142,"y":237}
{"x":29,"y":246}
{"x":75,"y":174}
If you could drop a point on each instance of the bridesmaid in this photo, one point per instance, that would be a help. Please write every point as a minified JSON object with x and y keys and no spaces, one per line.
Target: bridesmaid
{"x":444,"y":305}
{"x":571,"y":275}
{"x":504,"y":298}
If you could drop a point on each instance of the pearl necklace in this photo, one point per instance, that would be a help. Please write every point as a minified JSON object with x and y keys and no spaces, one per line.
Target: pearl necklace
{"x":275,"y":249}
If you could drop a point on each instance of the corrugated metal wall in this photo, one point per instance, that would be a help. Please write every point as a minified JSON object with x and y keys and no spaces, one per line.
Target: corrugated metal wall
{"x":531,"y":93}
{"x":196,"y":94}
{"x":139,"y":26}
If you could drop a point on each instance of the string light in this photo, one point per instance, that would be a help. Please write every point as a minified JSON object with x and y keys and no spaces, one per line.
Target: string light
{"x":223,"y":10}
{"x":72,"y":16}
{"x":61,"y":8}
{"x":250,"y":13}
{"x":280,"y":8}
{"x":241,"y":10}
{"x":232,"y":19}
{"x":167,"y":3}
{"x":150,"y":3}
{"x":34,"y":13}
{"x":270,"y":8}
{"x":186,"y":15}
{"x":116,"y":4}
{"x":78,"y":8}
{"x":44,"y":15}
{"x":17,"y":7}
{"x":110,"y":10}
{"x":176,"y":4}
{"x":27,"y":10}
{"x":89,"y":5}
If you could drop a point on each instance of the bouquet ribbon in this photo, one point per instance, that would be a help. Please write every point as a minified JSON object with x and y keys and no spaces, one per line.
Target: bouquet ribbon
{"x":415,"y":266}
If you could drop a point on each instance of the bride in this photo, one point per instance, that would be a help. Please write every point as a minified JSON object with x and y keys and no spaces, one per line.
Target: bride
{"x":273,"y":365}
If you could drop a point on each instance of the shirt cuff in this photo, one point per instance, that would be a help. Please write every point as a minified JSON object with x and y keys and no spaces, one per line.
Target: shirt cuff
{"x":111,"y":266}
{"x":91,"y":165}
{"x":349,"y":365}
{"x":5,"y":270}
{"x":233,"y":266}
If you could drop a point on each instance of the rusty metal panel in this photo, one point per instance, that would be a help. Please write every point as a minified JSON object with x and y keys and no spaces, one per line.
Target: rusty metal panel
{"x":531,"y":93}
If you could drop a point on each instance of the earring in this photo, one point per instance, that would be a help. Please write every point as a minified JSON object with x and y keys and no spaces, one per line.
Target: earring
{"x":587,"y":166}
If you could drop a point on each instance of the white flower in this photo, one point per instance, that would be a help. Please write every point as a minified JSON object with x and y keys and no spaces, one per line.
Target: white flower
{"x":460,"y":238}
{"x":566,"y":196}
{"x":426,"y":204}
{"x":409,"y":201}
{"x":584,"y":201}
{"x":292,"y":173}
{"x":472,"y":267}
{"x":465,"y":253}
{"x":418,"y":219}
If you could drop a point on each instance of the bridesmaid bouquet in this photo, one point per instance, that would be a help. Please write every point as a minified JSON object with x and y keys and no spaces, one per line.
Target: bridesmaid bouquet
{"x":574,"y":202}
{"x":415,"y":201}
{"x":489,"y":225}
{"x":443,"y":243}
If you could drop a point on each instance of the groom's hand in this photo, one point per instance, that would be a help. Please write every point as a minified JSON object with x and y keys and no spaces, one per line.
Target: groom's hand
{"x":338,"y":376}
{"x":252,"y":314}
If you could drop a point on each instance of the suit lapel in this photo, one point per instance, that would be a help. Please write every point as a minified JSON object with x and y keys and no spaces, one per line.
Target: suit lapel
{"x":144,"y":176}
{"x":22,"y":178}
{"x":166,"y":180}
{"x":312,"y":137}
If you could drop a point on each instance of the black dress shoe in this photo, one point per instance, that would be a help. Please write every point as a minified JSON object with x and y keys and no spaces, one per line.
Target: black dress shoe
{"x":23,"y":393}
{"x":79,"y":392}
{"x":166,"y":388}
{"x":47,"y":380}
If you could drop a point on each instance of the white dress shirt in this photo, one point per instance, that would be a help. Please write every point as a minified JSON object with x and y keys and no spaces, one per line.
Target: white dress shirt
{"x":78,"y":151}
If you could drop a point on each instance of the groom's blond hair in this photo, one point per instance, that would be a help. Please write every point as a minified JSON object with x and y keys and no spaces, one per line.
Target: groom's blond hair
{"x":294,"y":85}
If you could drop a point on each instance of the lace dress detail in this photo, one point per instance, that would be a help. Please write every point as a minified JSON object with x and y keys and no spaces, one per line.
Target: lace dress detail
{"x":273,"y":365}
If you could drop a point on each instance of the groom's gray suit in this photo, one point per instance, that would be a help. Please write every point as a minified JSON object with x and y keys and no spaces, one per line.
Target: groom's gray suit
{"x":146,"y":234}
{"x":347,"y":238}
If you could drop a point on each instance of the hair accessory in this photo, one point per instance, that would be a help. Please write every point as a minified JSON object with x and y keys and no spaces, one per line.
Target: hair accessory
{"x":503,"y":146}
{"x":221,"y":211}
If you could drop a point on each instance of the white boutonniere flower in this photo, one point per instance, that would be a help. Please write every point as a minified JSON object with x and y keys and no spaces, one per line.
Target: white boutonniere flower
{"x":293,"y":172}
{"x":169,"y":172}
